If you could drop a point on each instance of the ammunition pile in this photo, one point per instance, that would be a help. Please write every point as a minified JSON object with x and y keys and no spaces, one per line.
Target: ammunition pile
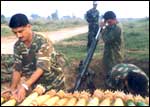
{"x":83,"y":98}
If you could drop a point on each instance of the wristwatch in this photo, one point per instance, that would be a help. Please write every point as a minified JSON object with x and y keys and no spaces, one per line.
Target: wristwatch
{"x":25,"y":86}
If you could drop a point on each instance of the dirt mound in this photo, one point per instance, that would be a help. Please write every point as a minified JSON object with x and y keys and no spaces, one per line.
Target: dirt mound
{"x":70,"y":71}
{"x":97,"y":66}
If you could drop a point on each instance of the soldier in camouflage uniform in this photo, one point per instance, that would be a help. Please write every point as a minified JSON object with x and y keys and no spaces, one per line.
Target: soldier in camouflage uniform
{"x":129,"y":78}
{"x":92,"y":17}
{"x":113,"y":41}
{"x":33,"y":58}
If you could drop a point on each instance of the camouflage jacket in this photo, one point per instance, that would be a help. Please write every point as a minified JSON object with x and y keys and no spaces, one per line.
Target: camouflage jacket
{"x":39,"y":54}
{"x":92,"y":16}
{"x":119,"y":73}
{"x":114,"y":45}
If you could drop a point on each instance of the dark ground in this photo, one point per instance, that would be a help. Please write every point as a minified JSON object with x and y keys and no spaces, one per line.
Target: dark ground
{"x":70,"y":72}
{"x":97,"y":66}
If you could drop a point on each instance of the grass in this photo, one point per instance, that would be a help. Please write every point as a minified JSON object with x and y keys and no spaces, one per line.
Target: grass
{"x":77,"y":52}
{"x":43,"y":25}
{"x":5,"y":31}
{"x":72,"y":52}
{"x":82,"y":37}
{"x":136,"y":38}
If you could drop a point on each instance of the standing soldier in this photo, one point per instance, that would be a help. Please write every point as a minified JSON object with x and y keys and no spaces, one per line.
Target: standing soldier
{"x":113,"y":41}
{"x":129,"y":78}
{"x":92,"y":17}
{"x":33,"y":58}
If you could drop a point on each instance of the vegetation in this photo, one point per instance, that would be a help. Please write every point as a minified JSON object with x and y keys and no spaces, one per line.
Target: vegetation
{"x":136,"y":38}
{"x":51,"y":25}
{"x":46,"y":25}
{"x":3,"y":19}
{"x":5,"y":30}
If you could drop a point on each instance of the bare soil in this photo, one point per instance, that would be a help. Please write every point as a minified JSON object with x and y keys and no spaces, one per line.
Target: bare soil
{"x":71,"y":71}
{"x":55,"y":36}
{"x":100,"y":76}
{"x":96,"y":65}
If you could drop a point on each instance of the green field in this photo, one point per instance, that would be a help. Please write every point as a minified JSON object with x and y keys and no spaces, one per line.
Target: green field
{"x":42,"y":25}
{"x":136,"y":38}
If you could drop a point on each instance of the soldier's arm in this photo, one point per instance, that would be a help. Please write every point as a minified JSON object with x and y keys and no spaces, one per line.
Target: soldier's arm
{"x":20,"y":93}
{"x":17,"y":68}
{"x":34,"y":77}
{"x":86,"y":17}
{"x":112,"y":35}
{"x":15,"y":79}
{"x":89,"y":17}
{"x":97,"y":17}
{"x":13,"y":86}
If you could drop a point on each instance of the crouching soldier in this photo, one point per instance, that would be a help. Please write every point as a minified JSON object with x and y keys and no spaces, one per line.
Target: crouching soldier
{"x":34,"y":56}
{"x":129,"y":78}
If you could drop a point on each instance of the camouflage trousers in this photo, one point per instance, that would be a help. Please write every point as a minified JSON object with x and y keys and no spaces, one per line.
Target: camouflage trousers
{"x":93,"y":28}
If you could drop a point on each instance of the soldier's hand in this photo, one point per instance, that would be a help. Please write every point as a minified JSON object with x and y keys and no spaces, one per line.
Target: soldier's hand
{"x":20,"y":94}
{"x":102,"y":24}
{"x":7,"y":93}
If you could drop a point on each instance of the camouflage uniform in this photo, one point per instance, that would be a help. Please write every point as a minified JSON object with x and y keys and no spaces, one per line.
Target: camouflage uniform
{"x":113,"y":48}
{"x":120,"y":72}
{"x":40,"y":54}
{"x":92,"y":17}
{"x":6,"y":67}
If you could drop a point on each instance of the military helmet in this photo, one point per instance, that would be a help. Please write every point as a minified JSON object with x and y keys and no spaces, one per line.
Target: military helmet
{"x":137,"y":80}
{"x":109,"y":15}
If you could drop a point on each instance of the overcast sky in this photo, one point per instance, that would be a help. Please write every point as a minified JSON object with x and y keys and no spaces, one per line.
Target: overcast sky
{"x":123,"y":9}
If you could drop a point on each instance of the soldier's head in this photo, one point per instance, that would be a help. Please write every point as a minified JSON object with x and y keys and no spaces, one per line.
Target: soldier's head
{"x":94,"y":4}
{"x":137,"y":83}
{"x":110,"y":17}
{"x":21,"y":27}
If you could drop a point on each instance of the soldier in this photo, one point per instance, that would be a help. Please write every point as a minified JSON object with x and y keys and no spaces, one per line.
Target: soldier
{"x":129,"y":78}
{"x":92,"y":17}
{"x":113,"y":41}
{"x":33,"y":58}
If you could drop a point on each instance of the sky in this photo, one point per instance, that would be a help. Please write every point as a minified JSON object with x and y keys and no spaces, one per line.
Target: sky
{"x":123,"y":9}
